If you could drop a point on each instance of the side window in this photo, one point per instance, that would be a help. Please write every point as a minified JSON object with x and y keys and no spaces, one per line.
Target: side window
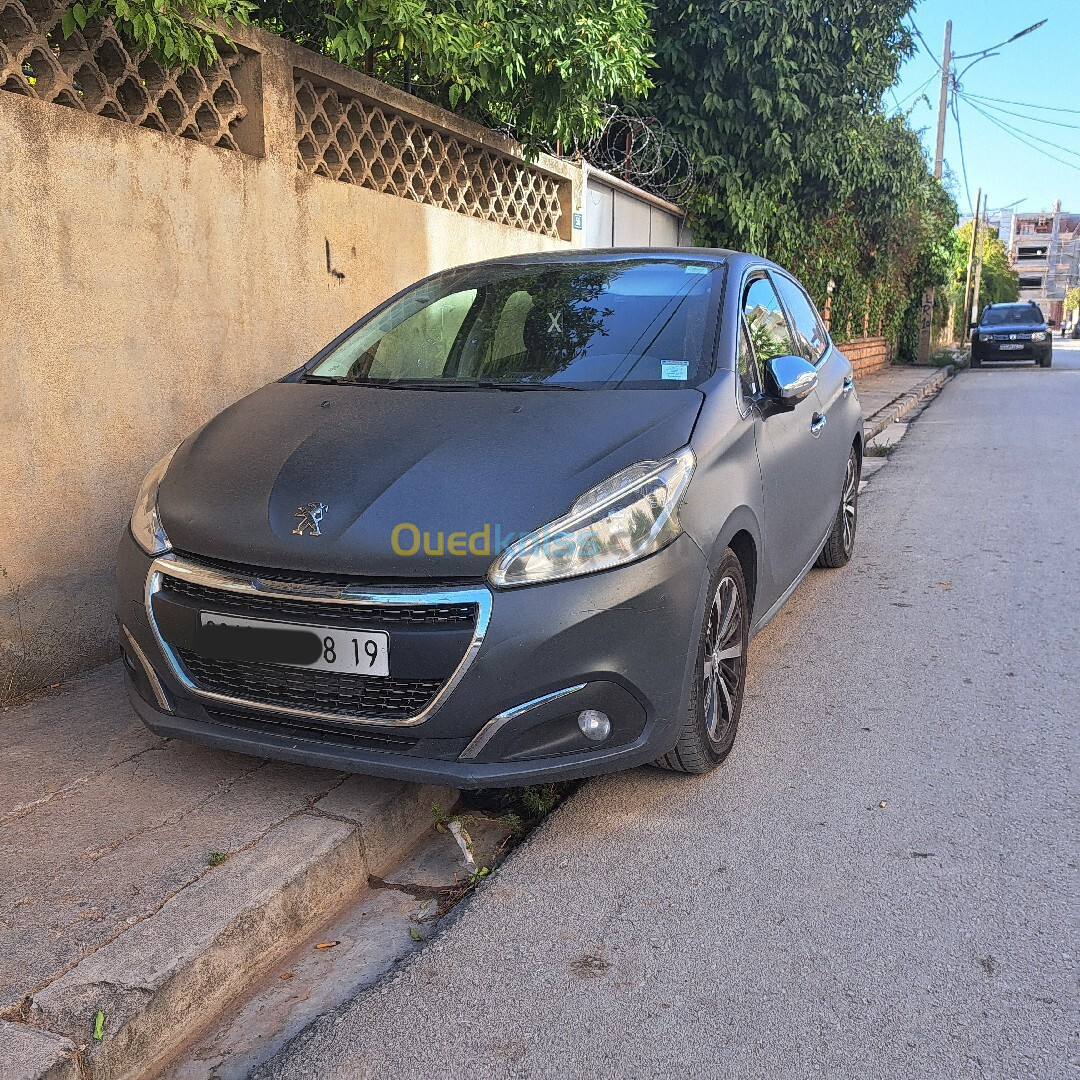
{"x":765,"y":322}
{"x":808,"y":326}
{"x":749,"y":379}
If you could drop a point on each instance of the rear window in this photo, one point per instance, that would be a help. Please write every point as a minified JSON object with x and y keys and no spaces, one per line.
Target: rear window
{"x":1024,"y":315}
{"x":635,"y":322}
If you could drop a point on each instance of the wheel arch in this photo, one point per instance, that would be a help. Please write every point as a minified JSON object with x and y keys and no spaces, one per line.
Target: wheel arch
{"x":742,"y":533}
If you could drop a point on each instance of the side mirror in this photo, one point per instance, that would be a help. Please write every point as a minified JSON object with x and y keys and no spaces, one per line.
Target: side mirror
{"x":1051,"y":324}
{"x":792,"y":378}
{"x":973,"y":326}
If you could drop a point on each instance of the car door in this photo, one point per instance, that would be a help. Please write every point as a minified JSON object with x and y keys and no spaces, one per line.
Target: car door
{"x":790,"y":456}
{"x":836,"y":384}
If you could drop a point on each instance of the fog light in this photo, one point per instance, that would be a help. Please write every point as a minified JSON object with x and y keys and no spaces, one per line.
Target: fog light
{"x":594,"y":725}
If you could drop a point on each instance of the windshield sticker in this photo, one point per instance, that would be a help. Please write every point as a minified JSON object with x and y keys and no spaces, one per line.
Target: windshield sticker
{"x":674,"y":369}
{"x":696,"y":270}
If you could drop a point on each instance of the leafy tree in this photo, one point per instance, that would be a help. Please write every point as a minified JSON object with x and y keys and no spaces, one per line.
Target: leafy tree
{"x":544,"y":69}
{"x":178,"y":32}
{"x":779,"y":103}
{"x":998,"y":285}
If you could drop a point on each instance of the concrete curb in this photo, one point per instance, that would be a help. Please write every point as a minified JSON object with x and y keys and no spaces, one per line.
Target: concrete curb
{"x":170,"y":974}
{"x":901,"y":406}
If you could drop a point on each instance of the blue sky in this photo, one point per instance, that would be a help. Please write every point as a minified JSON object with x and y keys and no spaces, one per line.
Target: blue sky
{"x":1042,"y":68}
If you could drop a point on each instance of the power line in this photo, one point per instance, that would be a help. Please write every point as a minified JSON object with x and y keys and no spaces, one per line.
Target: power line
{"x":1028,"y":134}
{"x":1014,"y":133}
{"x":1024,"y":116}
{"x":963,"y":163}
{"x":1026,"y":104}
{"x":914,"y":93}
{"x":929,"y":52}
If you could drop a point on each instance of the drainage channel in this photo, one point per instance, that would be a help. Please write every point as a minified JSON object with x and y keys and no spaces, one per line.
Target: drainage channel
{"x":384,"y":927}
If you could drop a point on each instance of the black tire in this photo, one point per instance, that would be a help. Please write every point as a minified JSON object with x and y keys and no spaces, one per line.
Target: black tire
{"x":1046,"y":360}
{"x":716,"y":702}
{"x":976,"y":361}
{"x":841,"y":543}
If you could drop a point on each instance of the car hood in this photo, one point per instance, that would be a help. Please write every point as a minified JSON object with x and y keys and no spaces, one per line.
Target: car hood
{"x":483,"y":463}
{"x":1013,"y":328}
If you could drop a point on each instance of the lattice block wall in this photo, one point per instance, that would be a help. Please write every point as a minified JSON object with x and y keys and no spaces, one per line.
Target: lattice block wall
{"x":96,"y":71}
{"x":358,"y":142}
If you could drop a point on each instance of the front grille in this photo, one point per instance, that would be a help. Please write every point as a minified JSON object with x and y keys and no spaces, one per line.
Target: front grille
{"x":345,"y":614}
{"x":330,"y":581}
{"x":348,"y":696}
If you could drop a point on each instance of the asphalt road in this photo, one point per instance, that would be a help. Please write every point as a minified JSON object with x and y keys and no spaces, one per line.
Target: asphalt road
{"x":881,"y":880}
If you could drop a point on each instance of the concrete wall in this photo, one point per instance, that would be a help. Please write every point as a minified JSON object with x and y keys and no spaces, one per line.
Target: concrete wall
{"x":618,"y":215}
{"x":149,"y":281}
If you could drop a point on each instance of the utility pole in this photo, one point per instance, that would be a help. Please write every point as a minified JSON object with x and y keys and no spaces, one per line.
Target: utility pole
{"x":967,"y":280}
{"x":985,"y":224}
{"x":939,"y":157}
{"x":943,"y":102}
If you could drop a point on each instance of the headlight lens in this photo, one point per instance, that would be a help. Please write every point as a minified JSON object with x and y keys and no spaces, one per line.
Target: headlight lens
{"x":630,"y":515}
{"x":145,"y":523}
{"x":1039,"y":335}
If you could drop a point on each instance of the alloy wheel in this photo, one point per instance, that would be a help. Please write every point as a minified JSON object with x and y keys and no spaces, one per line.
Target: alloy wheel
{"x":849,"y":503}
{"x":722,"y":668}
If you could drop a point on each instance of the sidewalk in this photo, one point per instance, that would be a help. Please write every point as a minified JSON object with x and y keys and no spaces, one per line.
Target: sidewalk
{"x":889,"y":395}
{"x":146,"y":879}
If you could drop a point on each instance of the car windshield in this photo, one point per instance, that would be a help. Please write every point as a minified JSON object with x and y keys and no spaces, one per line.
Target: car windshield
{"x":571,"y":325}
{"x":1011,"y":316}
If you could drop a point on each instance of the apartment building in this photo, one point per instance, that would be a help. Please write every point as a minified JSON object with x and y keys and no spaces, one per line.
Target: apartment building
{"x":1044,"y":249}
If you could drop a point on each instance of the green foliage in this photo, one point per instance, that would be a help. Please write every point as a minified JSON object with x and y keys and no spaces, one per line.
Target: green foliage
{"x":543,"y":69}
{"x":779,"y":104}
{"x":178,"y":33}
{"x":1072,"y":300}
{"x":998,"y":285}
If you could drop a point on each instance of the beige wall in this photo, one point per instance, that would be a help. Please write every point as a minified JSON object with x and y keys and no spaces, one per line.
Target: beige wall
{"x":148,"y":282}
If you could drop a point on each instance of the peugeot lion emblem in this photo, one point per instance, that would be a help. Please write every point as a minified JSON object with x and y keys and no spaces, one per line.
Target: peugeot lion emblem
{"x":310,"y":516}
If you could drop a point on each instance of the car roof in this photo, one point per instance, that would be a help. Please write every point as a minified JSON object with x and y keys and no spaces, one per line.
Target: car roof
{"x":736,"y":260}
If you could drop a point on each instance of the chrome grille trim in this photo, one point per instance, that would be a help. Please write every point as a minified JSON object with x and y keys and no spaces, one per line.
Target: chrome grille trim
{"x":242,"y":585}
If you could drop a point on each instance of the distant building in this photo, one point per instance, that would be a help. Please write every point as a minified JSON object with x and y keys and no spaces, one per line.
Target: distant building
{"x":1044,"y":249}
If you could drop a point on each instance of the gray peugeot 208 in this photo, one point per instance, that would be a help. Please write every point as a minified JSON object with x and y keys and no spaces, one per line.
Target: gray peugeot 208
{"x":517,"y":524}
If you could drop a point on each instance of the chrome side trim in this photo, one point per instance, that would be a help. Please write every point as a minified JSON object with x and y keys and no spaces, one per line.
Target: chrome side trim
{"x":243,"y":585}
{"x":151,"y":674}
{"x":497,"y":723}
{"x":768,"y":616}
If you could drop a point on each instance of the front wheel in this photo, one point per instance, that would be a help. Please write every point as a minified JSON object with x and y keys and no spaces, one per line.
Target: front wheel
{"x":841,"y":543}
{"x":716,"y":702}
{"x":1047,"y":360}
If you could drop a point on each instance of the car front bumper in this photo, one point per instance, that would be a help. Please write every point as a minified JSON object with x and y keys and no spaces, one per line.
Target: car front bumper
{"x":989,"y":351}
{"x":622,"y":642}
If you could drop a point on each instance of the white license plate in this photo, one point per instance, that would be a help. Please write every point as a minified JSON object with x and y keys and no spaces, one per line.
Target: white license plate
{"x":348,"y":652}
{"x":1004,"y":347}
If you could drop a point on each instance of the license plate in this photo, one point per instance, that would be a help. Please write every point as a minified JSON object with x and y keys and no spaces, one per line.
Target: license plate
{"x":1004,"y":347}
{"x":348,"y":652}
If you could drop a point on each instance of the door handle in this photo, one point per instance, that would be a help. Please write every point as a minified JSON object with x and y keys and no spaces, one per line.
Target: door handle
{"x":817,"y":424}
{"x":849,"y":385}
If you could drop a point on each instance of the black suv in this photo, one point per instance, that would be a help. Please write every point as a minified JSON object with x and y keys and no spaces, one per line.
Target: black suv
{"x":1011,"y":332}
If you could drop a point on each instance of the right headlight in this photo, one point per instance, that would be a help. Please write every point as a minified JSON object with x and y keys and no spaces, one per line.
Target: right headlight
{"x":626,"y":517}
{"x":146,"y":524}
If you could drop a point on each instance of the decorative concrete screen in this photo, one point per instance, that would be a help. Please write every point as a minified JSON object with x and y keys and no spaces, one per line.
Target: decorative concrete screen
{"x":94,"y":70}
{"x":357,"y":141}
